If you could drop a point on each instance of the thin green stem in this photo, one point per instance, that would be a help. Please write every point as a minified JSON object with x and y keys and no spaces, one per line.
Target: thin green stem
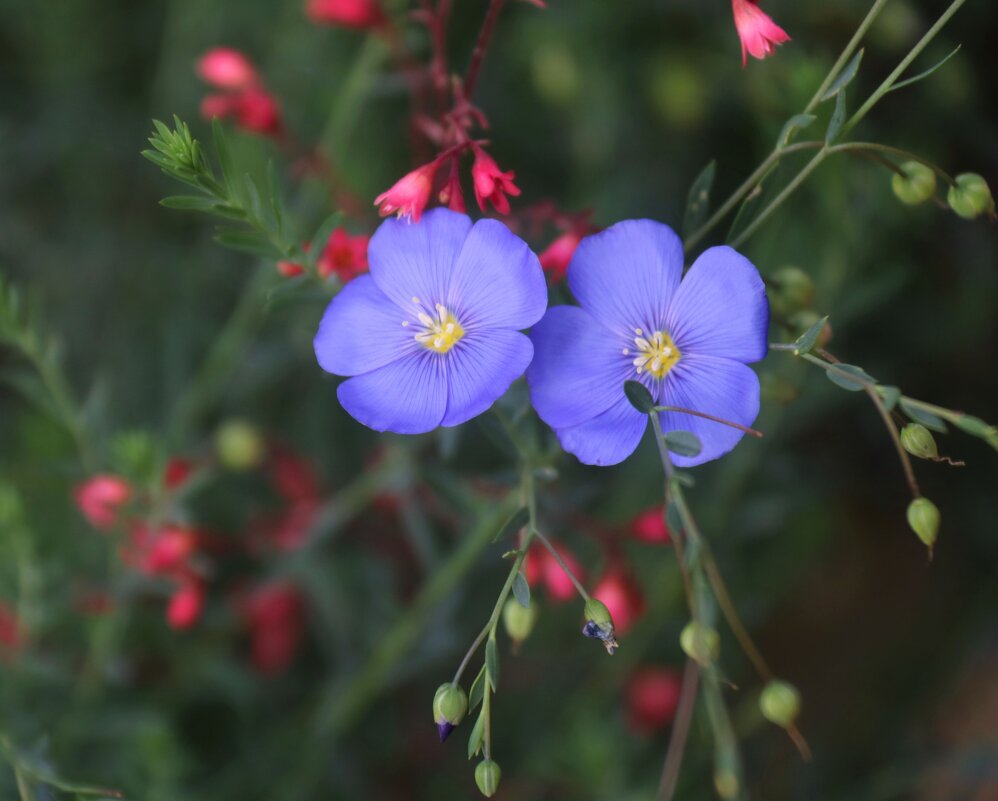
{"x":561,"y":563}
{"x":23,"y":787}
{"x":487,"y":719}
{"x":712,"y":418}
{"x":680,"y":732}
{"x":848,"y":147}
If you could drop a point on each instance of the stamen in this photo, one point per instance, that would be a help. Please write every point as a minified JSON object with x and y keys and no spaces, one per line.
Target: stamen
{"x":405,"y":323}
{"x":657,"y":353}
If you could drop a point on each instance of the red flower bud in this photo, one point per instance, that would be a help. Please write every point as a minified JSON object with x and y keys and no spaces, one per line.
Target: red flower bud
{"x":649,"y":526}
{"x":557,"y":256}
{"x":274,"y":615}
{"x":759,"y":34}
{"x":410,"y":194}
{"x":622,"y":596}
{"x":100,"y":499}
{"x":491,"y":184}
{"x":186,"y":605}
{"x":541,"y":568}
{"x":344,"y":256}
{"x":227,"y":69}
{"x":652,"y":698}
{"x":358,"y":14}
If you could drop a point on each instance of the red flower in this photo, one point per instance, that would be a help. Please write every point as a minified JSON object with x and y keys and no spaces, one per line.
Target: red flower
{"x":161,"y":551}
{"x":652,"y":698}
{"x":410,"y":194}
{"x":100,"y":499}
{"x":759,"y":34}
{"x":274,"y":615}
{"x":176,"y":472}
{"x":557,"y":256}
{"x":359,"y":14}
{"x":649,"y":526}
{"x":186,"y":605}
{"x":254,"y":110}
{"x":227,"y":69}
{"x":344,"y":256}
{"x":10,"y":629}
{"x":541,"y":568}
{"x":491,"y":184}
{"x":622,"y":596}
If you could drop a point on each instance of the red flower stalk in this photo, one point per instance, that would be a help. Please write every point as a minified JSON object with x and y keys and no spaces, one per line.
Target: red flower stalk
{"x":100,"y":499}
{"x":622,"y":596}
{"x":557,"y":256}
{"x":357,"y":14}
{"x":652,"y":698}
{"x":649,"y":526}
{"x":759,"y":34}
{"x":491,"y":183}
{"x":186,"y":605}
{"x":227,"y":69}
{"x":410,"y":194}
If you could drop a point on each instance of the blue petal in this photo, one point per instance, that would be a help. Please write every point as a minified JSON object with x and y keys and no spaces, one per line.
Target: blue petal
{"x":626,"y":275}
{"x":497,"y":280}
{"x":481,"y":368}
{"x":721,"y":308}
{"x":361,"y":330}
{"x":408,"y":396}
{"x":579,"y":368}
{"x":722,"y":387}
{"x":608,"y":438}
{"x":416,"y":260}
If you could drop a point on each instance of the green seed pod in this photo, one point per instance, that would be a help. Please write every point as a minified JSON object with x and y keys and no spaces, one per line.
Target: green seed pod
{"x":450,"y":705}
{"x":701,"y":643}
{"x":923,"y":517}
{"x":239,"y":445}
{"x":971,"y":197}
{"x":599,"y":625}
{"x":918,"y":441}
{"x":790,"y":290}
{"x":917,"y":185}
{"x":518,"y":620}
{"x":487,"y":776}
{"x":780,"y":703}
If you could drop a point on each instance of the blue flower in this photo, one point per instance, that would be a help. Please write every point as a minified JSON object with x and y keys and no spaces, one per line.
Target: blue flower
{"x":688,"y":343}
{"x":431,"y":336}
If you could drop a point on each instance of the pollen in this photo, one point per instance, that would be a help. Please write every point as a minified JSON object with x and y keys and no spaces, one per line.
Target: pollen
{"x":657,"y":354}
{"x":441,"y":331}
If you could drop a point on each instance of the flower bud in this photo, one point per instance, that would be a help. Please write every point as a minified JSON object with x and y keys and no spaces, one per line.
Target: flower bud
{"x":917,"y":185}
{"x":239,"y":445}
{"x":518,"y":620}
{"x":449,"y":707}
{"x":791,"y":290}
{"x":923,"y":517}
{"x":971,"y":197}
{"x":701,"y":643}
{"x":726,"y":784}
{"x":599,"y":624}
{"x":780,"y":703}
{"x":918,"y":441}
{"x":487,"y":776}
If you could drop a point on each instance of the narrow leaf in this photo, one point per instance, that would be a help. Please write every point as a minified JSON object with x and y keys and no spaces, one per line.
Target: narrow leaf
{"x":276,"y":196}
{"x":974,"y":426}
{"x":890,"y":396}
{"x":683,"y":443}
{"x":492,"y":662}
{"x":923,"y":75}
{"x":224,"y":155}
{"x":847,"y":383}
{"x":514,"y":524}
{"x":798,"y":122}
{"x":927,"y":419}
{"x":698,"y":201}
{"x":639,"y":396}
{"x":249,"y":242}
{"x":477,"y":690}
{"x":190,"y":203}
{"x":477,"y":736}
{"x":807,"y":341}
{"x":844,"y":78}
{"x":521,"y":591}
{"x":838,"y":118}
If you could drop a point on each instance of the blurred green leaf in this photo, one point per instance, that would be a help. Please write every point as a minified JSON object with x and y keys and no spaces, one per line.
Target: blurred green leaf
{"x":698,"y":200}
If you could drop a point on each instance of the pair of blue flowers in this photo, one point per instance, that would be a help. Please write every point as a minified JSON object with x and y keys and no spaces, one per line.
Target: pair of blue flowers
{"x":432,"y":336}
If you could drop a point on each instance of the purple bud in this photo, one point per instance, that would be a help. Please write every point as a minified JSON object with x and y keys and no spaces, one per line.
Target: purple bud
{"x":444,"y":729}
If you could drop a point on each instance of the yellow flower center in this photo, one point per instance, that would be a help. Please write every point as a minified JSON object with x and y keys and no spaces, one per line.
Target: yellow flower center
{"x":441,"y":332}
{"x":656,"y":354}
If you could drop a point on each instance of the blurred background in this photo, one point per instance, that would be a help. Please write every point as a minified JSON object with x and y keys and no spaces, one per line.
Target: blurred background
{"x":310,"y":670}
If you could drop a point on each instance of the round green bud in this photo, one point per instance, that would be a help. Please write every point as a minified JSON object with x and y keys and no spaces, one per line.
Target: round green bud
{"x":519,"y":620}
{"x":917,"y":185}
{"x":923,"y":517}
{"x":971,"y":196}
{"x":596,"y":612}
{"x":450,"y":704}
{"x":239,"y":445}
{"x":487,"y":776}
{"x":780,"y":703}
{"x":701,"y":643}
{"x":790,"y":291}
{"x":918,"y":441}
{"x":726,"y":784}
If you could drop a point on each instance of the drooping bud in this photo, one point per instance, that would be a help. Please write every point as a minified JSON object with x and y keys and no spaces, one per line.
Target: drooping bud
{"x":450,"y":705}
{"x":758,"y":33}
{"x":599,"y":625}
{"x":780,"y":703}
{"x":917,"y":185}
{"x":923,"y":517}
{"x":971,"y":197}
{"x":791,"y":290}
{"x":700,"y":643}
{"x":487,"y":776}
{"x":410,"y":194}
{"x":918,"y":441}
{"x":491,"y":183}
{"x":239,"y":445}
{"x":518,"y":620}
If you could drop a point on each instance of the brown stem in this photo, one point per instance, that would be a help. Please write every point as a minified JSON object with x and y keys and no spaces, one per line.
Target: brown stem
{"x":712,"y":418}
{"x":680,"y":732}
{"x":481,"y":46}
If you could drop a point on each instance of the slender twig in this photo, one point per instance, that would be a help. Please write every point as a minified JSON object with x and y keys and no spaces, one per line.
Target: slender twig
{"x":564,"y":566}
{"x":712,"y":418}
{"x":680,"y":732}
{"x":481,"y":47}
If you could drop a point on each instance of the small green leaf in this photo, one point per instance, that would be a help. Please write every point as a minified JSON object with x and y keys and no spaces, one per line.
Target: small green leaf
{"x":683,"y":443}
{"x":477,"y":690}
{"x":838,"y":118}
{"x":844,"y":78}
{"x":974,"y":426}
{"x":923,"y":75}
{"x":249,"y":242}
{"x":477,"y":736}
{"x":639,"y":396}
{"x":890,"y":396}
{"x":927,"y":419}
{"x":190,"y":203}
{"x":276,"y":196}
{"x":492,"y":662}
{"x":253,"y":193}
{"x":514,"y":524}
{"x":798,"y":122}
{"x":698,"y":201}
{"x":521,"y":591}
{"x":807,"y":341}
{"x":224,"y":155}
{"x":847,"y":383}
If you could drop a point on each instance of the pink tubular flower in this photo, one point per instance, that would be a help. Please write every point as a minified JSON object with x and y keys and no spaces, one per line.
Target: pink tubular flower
{"x":759,"y":34}
{"x":410,"y":194}
{"x":652,"y":698}
{"x":555,"y":258}
{"x":358,"y":14}
{"x":186,"y":605}
{"x":649,"y":526}
{"x":227,"y":69}
{"x":622,"y":596}
{"x":491,"y":183}
{"x":100,"y":499}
